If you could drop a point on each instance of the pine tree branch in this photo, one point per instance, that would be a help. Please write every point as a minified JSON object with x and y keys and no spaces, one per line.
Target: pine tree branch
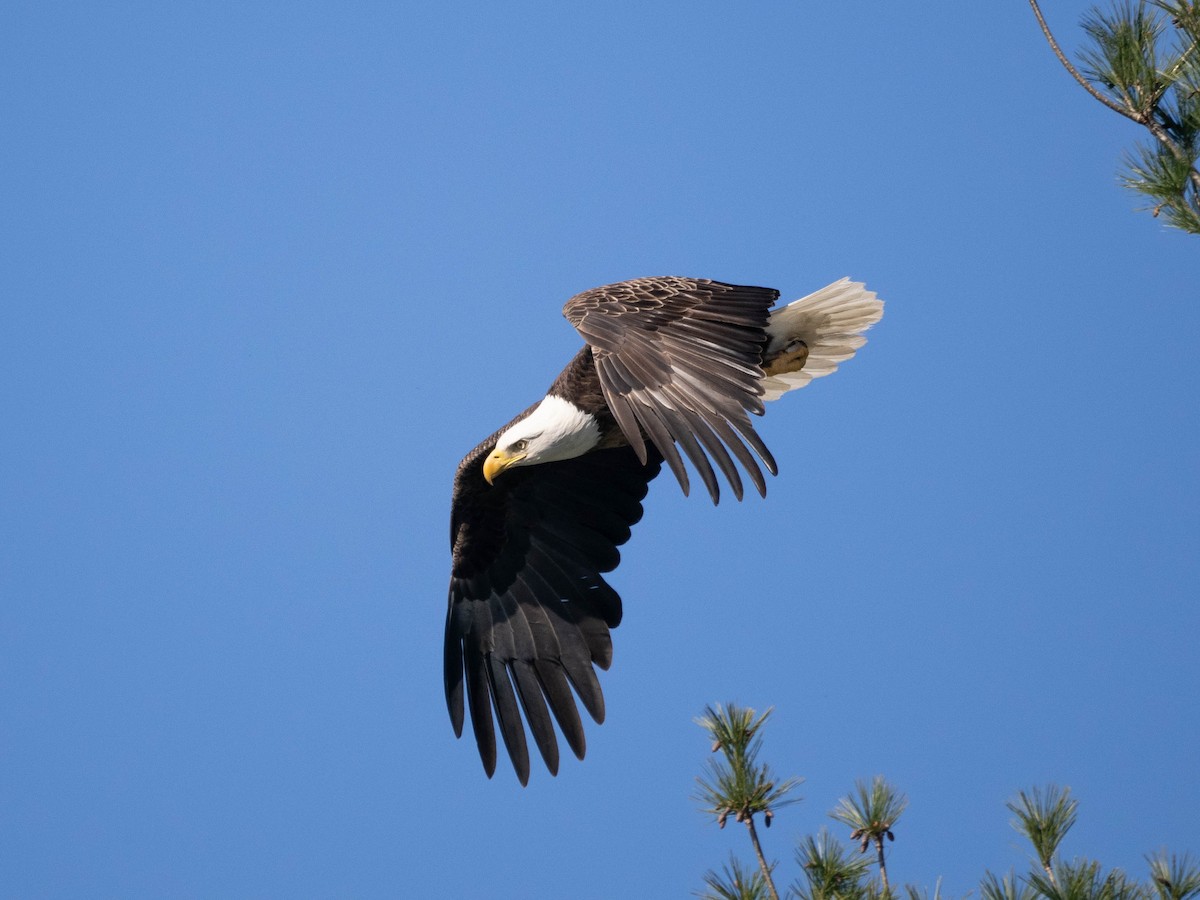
{"x":762,"y":860}
{"x":1049,"y":870}
{"x":887,"y":891}
{"x":1143,"y":116}
{"x":736,"y":784}
{"x":1127,"y":112}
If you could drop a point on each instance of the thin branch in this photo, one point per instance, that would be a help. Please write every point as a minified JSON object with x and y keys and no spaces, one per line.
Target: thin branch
{"x":762,"y":861}
{"x":1046,"y":867}
{"x":887,"y":891}
{"x":1075,"y":73}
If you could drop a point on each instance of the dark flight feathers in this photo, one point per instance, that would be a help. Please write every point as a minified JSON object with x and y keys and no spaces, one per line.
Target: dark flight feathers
{"x":530,"y":611}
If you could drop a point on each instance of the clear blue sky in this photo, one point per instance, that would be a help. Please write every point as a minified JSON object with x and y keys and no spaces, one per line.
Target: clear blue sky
{"x":270,"y":270}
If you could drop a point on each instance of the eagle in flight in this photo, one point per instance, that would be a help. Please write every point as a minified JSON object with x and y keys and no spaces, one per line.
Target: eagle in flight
{"x":670,"y":368}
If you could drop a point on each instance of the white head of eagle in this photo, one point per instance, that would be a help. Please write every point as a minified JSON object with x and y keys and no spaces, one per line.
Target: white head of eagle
{"x":556,"y":430}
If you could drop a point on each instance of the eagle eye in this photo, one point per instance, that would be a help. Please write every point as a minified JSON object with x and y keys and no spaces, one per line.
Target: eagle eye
{"x":519,"y":446}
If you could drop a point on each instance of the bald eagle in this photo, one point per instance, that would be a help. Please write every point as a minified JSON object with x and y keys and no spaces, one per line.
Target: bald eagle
{"x":671,"y":368}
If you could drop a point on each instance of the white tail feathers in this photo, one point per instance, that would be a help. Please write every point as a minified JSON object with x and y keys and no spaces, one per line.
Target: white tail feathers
{"x":809,"y":337}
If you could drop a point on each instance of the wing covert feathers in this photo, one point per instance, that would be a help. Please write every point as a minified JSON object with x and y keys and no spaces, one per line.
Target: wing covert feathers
{"x":679,"y":362}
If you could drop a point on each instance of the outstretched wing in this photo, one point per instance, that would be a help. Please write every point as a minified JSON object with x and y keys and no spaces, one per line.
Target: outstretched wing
{"x":679,"y":360}
{"x":530,"y":612}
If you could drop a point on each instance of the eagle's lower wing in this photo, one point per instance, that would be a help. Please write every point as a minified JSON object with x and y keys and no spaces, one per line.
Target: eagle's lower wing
{"x":530,"y":612}
{"x":679,"y":361}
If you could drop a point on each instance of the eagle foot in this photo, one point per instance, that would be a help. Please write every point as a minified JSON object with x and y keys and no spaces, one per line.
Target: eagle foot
{"x":790,"y":359}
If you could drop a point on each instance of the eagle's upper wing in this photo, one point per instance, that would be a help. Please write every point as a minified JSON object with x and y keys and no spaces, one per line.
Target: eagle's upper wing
{"x":679,"y":360}
{"x":530,"y":612}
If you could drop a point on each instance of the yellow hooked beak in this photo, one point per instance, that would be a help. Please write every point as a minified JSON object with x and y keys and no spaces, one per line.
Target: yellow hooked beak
{"x":497,"y":462}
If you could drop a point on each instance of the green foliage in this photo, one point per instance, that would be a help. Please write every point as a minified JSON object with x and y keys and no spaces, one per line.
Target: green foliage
{"x":1174,"y":877}
{"x":915,"y":893}
{"x":1143,"y":61}
{"x":1084,"y":880}
{"x":1006,"y":888}
{"x":831,"y":872}
{"x":1044,"y":818}
{"x":872,"y":813}
{"x":736,"y":783}
{"x":1122,"y":57}
{"x":1165,"y":179}
{"x":734,"y":883}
